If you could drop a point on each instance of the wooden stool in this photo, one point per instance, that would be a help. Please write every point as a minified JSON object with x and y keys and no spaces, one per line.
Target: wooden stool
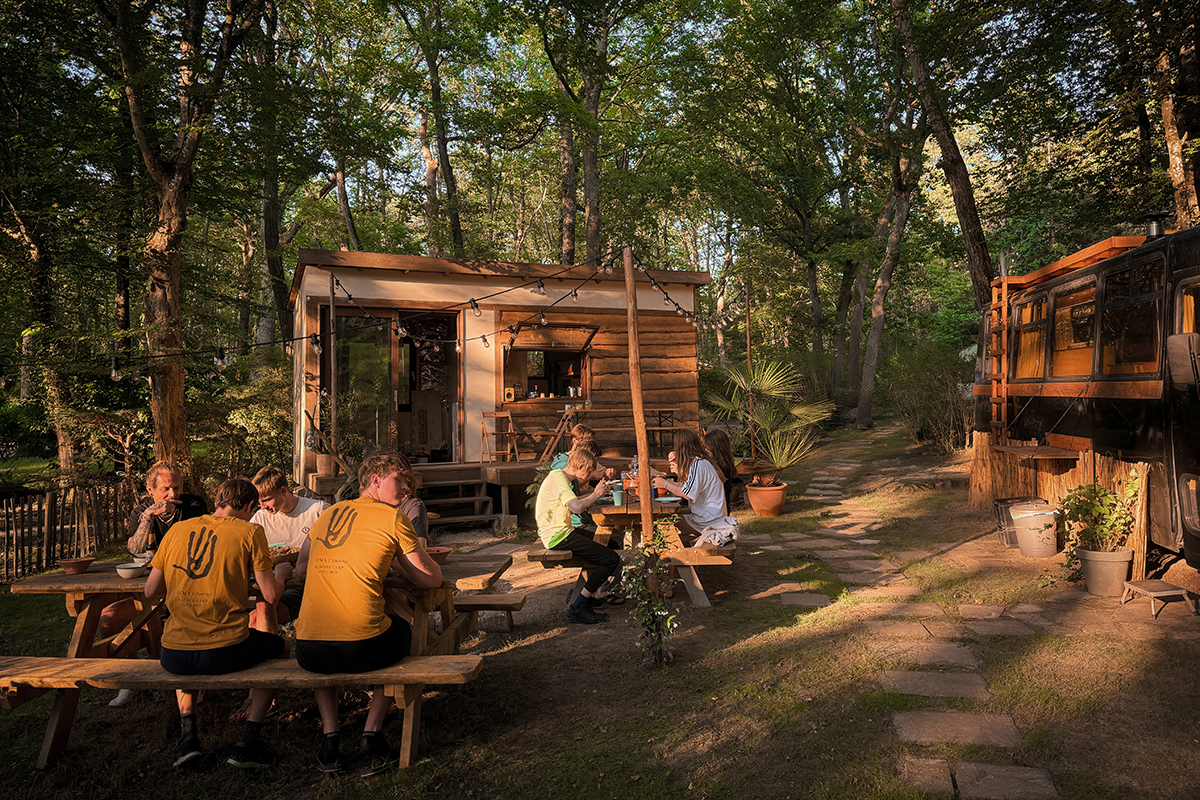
{"x":1157,"y":590}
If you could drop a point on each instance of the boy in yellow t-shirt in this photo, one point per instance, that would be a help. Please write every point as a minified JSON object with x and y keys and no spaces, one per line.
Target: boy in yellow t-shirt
{"x":203,"y":565}
{"x":343,"y":626}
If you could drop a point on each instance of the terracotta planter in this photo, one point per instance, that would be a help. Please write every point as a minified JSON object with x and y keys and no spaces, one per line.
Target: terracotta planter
{"x":767,"y":501}
{"x":1105,"y":573}
{"x":325,"y":465}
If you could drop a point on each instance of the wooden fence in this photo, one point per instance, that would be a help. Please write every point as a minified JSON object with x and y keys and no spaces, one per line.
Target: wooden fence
{"x":37,"y":530}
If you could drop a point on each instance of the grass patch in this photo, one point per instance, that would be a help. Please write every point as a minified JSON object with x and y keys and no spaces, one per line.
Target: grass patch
{"x":888,"y":702}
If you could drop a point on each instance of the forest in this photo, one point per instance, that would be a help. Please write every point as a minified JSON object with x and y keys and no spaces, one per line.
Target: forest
{"x":852,"y":174}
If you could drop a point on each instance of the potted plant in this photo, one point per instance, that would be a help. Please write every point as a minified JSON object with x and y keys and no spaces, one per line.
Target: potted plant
{"x":1099,"y":522}
{"x":776,"y":424}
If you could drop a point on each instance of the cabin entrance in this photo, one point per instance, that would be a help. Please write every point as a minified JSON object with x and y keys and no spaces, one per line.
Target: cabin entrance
{"x":1184,"y":410}
{"x":396,"y":383}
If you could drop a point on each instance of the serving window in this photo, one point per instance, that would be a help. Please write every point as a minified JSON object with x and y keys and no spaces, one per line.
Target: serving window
{"x":1074,"y":331}
{"x":1029,"y":340}
{"x":1130,"y":320}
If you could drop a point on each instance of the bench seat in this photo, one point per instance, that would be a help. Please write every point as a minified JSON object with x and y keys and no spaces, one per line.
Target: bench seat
{"x":472,"y":604}
{"x":24,"y":678}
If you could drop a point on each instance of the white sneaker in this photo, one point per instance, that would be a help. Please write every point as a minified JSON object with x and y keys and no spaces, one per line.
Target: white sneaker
{"x":121,"y":699}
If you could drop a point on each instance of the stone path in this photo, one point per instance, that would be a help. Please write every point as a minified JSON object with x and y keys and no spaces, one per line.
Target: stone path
{"x":919,"y":634}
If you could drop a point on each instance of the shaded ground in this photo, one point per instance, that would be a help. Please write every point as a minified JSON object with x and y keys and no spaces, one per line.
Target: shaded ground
{"x":764,"y":699}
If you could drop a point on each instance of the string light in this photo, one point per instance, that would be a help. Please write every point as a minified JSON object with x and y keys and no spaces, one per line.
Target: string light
{"x":458,"y":345}
{"x":475,"y":308}
{"x":401,"y":331}
{"x":541,"y":288}
{"x":574,"y":296}
{"x":116,"y":373}
{"x":542,"y":318}
{"x":666,"y":299}
{"x":316,"y":343}
{"x":485,"y":341}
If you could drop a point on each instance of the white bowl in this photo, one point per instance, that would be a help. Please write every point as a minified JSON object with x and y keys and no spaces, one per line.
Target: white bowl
{"x":131,"y":570}
{"x":142,"y":558}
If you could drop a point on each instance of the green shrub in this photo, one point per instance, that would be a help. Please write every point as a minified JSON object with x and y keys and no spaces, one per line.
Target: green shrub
{"x":929,"y":388}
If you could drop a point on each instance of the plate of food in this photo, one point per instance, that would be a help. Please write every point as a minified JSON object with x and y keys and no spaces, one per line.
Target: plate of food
{"x":283,"y":552}
{"x":667,"y":499}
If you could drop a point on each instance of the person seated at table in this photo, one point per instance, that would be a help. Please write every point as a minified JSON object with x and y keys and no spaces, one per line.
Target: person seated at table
{"x":556,"y":502}
{"x":149,"y":521}
{"x":342,"y":625}
{"x":203,"y":565}
{"x":720,"y":453}
{"x":697,"y":481}
{"x":580,"y":441}
{"x":287,"y":519}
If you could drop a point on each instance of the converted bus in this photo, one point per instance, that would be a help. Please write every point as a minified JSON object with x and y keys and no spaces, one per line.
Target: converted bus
{"x":1099,"y":351}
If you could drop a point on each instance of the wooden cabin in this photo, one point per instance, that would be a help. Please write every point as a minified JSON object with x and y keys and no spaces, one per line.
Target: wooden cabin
{"x":1089,"y":371}
{"x":470,"y":367}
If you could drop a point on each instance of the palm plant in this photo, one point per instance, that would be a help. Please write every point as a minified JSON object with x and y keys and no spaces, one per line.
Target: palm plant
{"x":764,"y":400}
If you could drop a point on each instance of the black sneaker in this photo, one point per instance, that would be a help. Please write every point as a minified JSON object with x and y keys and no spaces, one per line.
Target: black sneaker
{"x":379,"y":753}
{"x":188,"y":750}
{"x":585,"y":616}
{"x":329,"y":758}
{"x":250,"y":756}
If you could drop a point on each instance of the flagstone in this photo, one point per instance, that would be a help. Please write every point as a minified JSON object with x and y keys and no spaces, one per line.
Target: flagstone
{"x":850,"y":552}
{"x":904,"y":628}
{"x":1000,"y":627}
{"x":899,"y":609}
{"x":929,"y":654}
{"x":980,"y":612}
{"x":935,"y":684}
{"x":886,"y":591}
{"x":873,"y":565}
{"x":927,"y":774}
{"x":1003,"y":782}
{"x":956,"y":727}
{"x":869,"y":578}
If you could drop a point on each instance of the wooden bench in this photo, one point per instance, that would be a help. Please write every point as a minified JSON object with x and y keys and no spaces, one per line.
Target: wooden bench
{"x":24,"y":678}
{"x":474,"y":603}
{"x":684,"y":559}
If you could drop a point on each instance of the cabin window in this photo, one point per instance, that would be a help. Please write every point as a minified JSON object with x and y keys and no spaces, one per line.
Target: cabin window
{"x":1074,"y":332}
{"x":363,"y":383}
{"x":1129,"y":323}
{"x":1029,"y":340}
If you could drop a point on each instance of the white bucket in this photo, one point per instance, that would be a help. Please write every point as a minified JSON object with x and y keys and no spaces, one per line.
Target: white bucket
{"x":1036,"y":529}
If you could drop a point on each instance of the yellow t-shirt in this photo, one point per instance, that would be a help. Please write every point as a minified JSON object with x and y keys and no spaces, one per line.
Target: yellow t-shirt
{"x":207,"y":563}
{"x":351,"y":547}
{"x":553,"y":516}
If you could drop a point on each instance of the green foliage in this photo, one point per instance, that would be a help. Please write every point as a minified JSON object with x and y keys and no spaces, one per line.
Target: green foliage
{"x":644,"y":583}
{"x":765,"y":403}
{"x":1097,"y":518}
{"x":928,"y":386}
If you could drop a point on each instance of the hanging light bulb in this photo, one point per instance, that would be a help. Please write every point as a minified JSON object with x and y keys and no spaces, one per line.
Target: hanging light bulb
{"x":475,"y":308}
{"x":116,"y":373}
{"x":541,"y":288}
{"x":574,"y":296}
{"x":679,"y":310}
{"x":542,"y":318}
{"x":485,"y":341}
{"x":316,"y":343}
{"x":437,"y":348}
{"x":666,"y":299}
{"x":458,"y":345}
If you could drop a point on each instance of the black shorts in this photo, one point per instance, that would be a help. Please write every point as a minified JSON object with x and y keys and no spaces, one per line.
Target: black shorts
{"x":361,"y":656}
{"x":254,"y":649}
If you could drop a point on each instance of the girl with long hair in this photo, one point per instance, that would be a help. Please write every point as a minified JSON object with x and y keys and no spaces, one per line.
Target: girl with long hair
{"x":698,"y":481}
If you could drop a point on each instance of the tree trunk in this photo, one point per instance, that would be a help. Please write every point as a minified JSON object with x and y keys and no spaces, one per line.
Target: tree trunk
{"x":979,"y":262}
{"x":866,"y":393}
{"x":1182,"y":157}
{"x":441,"y":134}
{"x":593,"y":87}
{"x":840,"y":314}
{"x":814,"y":291}
{"x":344,"y":204}
{"x":566,"y":169}
{"x":431,"y":188}
{"x":271,"y":208}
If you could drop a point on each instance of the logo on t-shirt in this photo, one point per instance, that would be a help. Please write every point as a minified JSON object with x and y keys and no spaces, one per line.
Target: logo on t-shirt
{"x":202,"y":544}
{"x":341,"y":523}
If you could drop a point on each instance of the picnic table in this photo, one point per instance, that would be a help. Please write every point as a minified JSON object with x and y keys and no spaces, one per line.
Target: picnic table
{"x":610,"y":518}
{"x":87,"y":595}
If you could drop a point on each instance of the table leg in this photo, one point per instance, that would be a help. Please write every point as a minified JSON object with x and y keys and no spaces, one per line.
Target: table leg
{"x":409,"y":698}
{"x":62,"y":714}
{"x":695,"y":590}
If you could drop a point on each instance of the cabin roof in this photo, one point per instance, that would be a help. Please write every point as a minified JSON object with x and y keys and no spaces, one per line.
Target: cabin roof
{"x":1112,"y":246}
{"x":478,"y":268}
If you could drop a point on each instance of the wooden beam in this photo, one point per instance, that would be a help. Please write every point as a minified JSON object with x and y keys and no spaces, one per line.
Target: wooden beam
{"x":635,"y":396}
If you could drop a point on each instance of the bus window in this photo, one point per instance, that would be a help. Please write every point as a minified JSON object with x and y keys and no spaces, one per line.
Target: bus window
{"x":1074,"y":332}
{"x":1189,"y":298}
{"x":1129,"y":322}
{"x":1030,"y":340}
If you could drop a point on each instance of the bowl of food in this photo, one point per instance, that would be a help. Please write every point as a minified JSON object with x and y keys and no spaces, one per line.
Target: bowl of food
{"x":131,"y":570}
{"x":142,"y":558}
{"x":75,"y":566}
{"x":438,"y":554}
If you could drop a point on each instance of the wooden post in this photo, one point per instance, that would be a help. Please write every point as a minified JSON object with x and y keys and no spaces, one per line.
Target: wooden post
{"x":635,"y":394}
{"x":332,"y":366}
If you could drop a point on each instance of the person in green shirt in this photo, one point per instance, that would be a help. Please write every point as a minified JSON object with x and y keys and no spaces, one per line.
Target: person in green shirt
{"x":556,"y":502}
